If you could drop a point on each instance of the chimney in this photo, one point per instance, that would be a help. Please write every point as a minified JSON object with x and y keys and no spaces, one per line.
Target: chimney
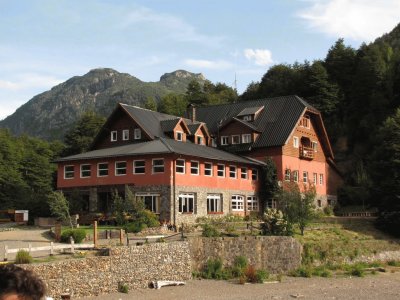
{"x":191,"y":111}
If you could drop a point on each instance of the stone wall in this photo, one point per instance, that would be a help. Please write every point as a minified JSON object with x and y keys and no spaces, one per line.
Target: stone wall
{"x":275,"y":254}
{"x":134,"y":266}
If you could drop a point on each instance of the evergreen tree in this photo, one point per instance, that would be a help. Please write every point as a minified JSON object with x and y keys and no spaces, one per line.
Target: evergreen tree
{"x":150,"y":104}
{"x":173,"y":104}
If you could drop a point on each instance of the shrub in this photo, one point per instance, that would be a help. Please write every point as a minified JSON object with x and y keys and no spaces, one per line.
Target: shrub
{"x":213,"y":269}
{"x":23,"y":257}
{"x":135,"y":227}
{"x":302,"y":271}
{"x":210,"y":231}
{"x":239,"y":265}
{"x":251,"y":274}
{"x":261,"y":276}
{"x":123,"y":288}
{"x":274,"y":223}
{"x":77,"y":234}
{"x":357,"y":270}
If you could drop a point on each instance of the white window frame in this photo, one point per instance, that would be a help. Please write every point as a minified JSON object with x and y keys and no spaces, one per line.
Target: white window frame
{"x":213,"y":142}
{"x":119,"y":168}
{"x":210,"y":169}
{"x":237,"y":203}
{"x":232,"y":172}
{"x":246,"y":138}
{"x":155,"y":201}
{"x":296,"y":142}
{"x":308,"y":121}
{"x":214,"y":203}
{"x":295,"y":175}
{"x":180,"y":168}
{"x":254,"y":174}
{"x":221,"y":170}
{"x":179,"y":136}
{"x":235,"y":136}
{"x":125,"y":134}
{"x":82,"y":171}
{"x":315,"y":178}
{"x":287,"y":175}
{"x":321,"y":179}
{"x":314,"y":145}
{"x":135,"y":167}
{"x":184,"y":200}
{"x":114,"y":136}
{"x":252,"y":203}
{"x":194,"y":170}
{"x":99,"y":170}
{"x":305,"y":177}
{"x":137,"y":134}
{"x":153,"y":166}
{"x":199,"y":139}
{"x":69,"y":172}
{"x":224,"y":140}
{"x":244,"y":173}
{"x":247,"y":118}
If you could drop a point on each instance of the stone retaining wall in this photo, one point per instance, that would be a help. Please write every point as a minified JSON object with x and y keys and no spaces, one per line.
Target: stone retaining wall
{"x":133,"y":266}
{"x":276,"y":254}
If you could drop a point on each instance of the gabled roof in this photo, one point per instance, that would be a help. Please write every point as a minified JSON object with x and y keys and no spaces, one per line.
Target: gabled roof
{"x":275,"y":122}
{"x":243,"y":122}
{"x":162,"y":146}
{"x":250,"y":111}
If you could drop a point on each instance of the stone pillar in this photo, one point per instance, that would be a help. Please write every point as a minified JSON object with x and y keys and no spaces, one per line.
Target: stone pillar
{"x":93,"y":199}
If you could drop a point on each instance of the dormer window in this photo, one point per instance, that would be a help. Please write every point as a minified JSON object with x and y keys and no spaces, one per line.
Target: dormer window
{"x":305,"y":121}
{"x":199,"y":140}
{"x":249,"y":114}
{"x":113,"y":136}
{"x":179,"y":136}
{"x":247,"y":118}
{"x":137,"y":134}
{"x":125,"y":134}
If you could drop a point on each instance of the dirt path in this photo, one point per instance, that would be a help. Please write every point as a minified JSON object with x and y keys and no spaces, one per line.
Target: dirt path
{"x":376,"y":287}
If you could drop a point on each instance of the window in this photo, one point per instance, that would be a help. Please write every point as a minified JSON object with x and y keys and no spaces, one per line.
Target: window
{"x":194,"y":167}
{"x":319,"y":203}
{"x":113,"y":136}
{"x":287,"y":175}
{"x":232,"y":171}
{"x":186,"y":203}
{"x":243,"y":173}
{"x":158,"y":165}
{"x":246,"y":138}
{"x":221,"y":171}
{"x":306,"y":121}
{"x":237,"y":203}
{"x":254,"y":174}
{"x":295,"y":175}
{"x":295,"y":142}
{"x":139,"y":167}
{"x":68,"y":172}
{"x":214,"y":203}
{"x":180,"y":166}
{"x":179,"y":136}
{"x":102,"y":169}
{"x":125,"y":134}
{"x":305,"y":176}
{"x":247,"y":118}
{"x":235,"y":139}
{"x":213,"y":142}
{"x":321,"y":179}
{"x":137,"y":134}
{"x":315,"y":178}
{"x":224,"y":140}
{"x":208,"y":169}
{"x":314,"y":145}
{"x":151,"y":201}
{"x":120,"y":168}
{"x":252,"y":203}
{"x":199,"y":140}
{"x":85,"y":171}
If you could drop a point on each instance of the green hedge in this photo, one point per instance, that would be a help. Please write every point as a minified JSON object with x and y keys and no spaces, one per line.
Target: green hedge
{"x":77,"y":234}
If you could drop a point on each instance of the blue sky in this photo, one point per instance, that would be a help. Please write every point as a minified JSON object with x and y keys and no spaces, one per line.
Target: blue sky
{"x":45,"y":42}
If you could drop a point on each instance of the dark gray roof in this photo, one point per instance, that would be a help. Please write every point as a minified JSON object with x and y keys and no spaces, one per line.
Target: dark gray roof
{"x":169,"y":125}
{"x":275,"y":122}
{"x":249,"y":111}
{"x":193,"y":127}
{"x":163,"y":146}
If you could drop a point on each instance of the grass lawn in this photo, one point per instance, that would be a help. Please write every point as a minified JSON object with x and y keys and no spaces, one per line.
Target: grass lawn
{"x":334,"y":239}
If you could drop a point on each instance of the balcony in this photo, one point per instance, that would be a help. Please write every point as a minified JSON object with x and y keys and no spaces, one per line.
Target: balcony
{"x":306,"y":152}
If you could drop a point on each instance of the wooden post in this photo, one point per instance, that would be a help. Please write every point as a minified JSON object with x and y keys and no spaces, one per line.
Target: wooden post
{"x":5,"y":252}
{"x":30,"y":248}
{"x":58,"y":231}
{"x":182,"y":237}
{"x":251,"y":227}
{"x":121,"y":236}
{"x":95,"y":234}
{"x":51,"y":248}
{"x":72,"y":245}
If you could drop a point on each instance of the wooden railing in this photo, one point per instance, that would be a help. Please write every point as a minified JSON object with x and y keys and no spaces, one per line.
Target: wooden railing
{"x":306,"y":152}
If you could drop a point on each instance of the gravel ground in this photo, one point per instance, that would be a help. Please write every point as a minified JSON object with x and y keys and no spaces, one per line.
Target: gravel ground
{"x":376,"y":287}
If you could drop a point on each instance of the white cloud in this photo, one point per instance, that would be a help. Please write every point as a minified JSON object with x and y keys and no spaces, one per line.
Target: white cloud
{"x":208,"y":64}
{"x":360,"y":20}
{"x":29,"y":80}
{"x":261,"y":57}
